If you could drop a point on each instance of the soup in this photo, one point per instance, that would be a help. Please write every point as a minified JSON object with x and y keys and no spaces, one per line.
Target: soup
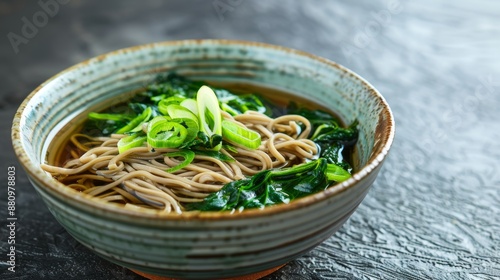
{"x":180,"y":145}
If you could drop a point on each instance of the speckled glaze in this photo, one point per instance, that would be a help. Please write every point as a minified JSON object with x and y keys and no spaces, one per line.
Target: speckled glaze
{"x":202,"y":245}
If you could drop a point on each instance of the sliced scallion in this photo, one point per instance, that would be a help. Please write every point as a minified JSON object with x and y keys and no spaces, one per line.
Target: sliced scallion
{"x":191,"y":105}
{"x":164,"y":133}
{"x":186,"y":117}
{"x":179,"y":112}
{"x":188,"y":158}
{"x":209,"y":113}
{"x":130,"y":142}
{"x":111,"y":117}
{"x":163,"y":104}
{"x":136,"y":123}
{"x":239,"y":135}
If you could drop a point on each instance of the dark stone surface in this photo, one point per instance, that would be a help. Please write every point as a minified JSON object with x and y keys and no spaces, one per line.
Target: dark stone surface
{"x":434,"y":212}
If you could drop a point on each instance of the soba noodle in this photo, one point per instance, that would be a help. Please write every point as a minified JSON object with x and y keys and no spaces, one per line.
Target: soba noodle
{"x":138,"y":176}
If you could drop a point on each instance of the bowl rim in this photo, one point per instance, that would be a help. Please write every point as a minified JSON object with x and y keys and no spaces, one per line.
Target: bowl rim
{"x":34,"y":170}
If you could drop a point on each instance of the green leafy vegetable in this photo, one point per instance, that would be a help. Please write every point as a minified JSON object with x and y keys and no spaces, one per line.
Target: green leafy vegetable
{"x":137,"y":108}
{"x":333,"y":139}
{"x":267,"y":187}
{"x":203,"y":141}
{"x":239,"y":104}
{"x":109,"y":122}
{"x":334,"y":154}
{"x":330,"y":133}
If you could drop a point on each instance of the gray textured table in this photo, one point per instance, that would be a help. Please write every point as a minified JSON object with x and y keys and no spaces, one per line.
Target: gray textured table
{"x":434,"y":211}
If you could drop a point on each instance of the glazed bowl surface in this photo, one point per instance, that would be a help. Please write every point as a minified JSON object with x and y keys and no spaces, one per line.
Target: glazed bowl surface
{"x":212,"y":244}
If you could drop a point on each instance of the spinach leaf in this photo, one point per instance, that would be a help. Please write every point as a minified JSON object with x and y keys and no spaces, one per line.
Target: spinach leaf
{"x":267,"y":187}
{"x":203,"y":141}
{"x":171,"y":84}
{"x":334,"y":154}
{"x":97,"y":128}
{"x":239,"y":104}
{"x":327,"y":133}
{"x":332,"y":133}
{"x":109,"y":121}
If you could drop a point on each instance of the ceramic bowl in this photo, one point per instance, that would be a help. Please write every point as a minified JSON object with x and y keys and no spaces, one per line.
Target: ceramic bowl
{"x":215,"y":244}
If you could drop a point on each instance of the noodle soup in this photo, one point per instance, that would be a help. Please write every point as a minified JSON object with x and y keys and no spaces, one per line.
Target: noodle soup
{"x":180,"y":145}
{"x":204,"y":242}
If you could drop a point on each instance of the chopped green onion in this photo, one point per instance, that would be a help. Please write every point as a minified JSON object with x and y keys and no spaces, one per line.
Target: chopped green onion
{"x":191,"y":105}
{"x":187,"y":118}
{"x":136,"y":124}
{"x":130,"y":142}
{"x":163,"y":104}
{"x":111,"y":117}
{"x":228,"y":109}
{"x":239,"y":135}
{"x":163,"y":133}
{"x":191,"y":127}
{"x":179,"y":112}
{"x":336,"y":173}
{"x":158,"y":119}
{"x":209,"y":113}
{"x":188,"y":158}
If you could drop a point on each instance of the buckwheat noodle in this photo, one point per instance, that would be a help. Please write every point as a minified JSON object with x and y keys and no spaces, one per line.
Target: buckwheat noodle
{"x":138,"y":176}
